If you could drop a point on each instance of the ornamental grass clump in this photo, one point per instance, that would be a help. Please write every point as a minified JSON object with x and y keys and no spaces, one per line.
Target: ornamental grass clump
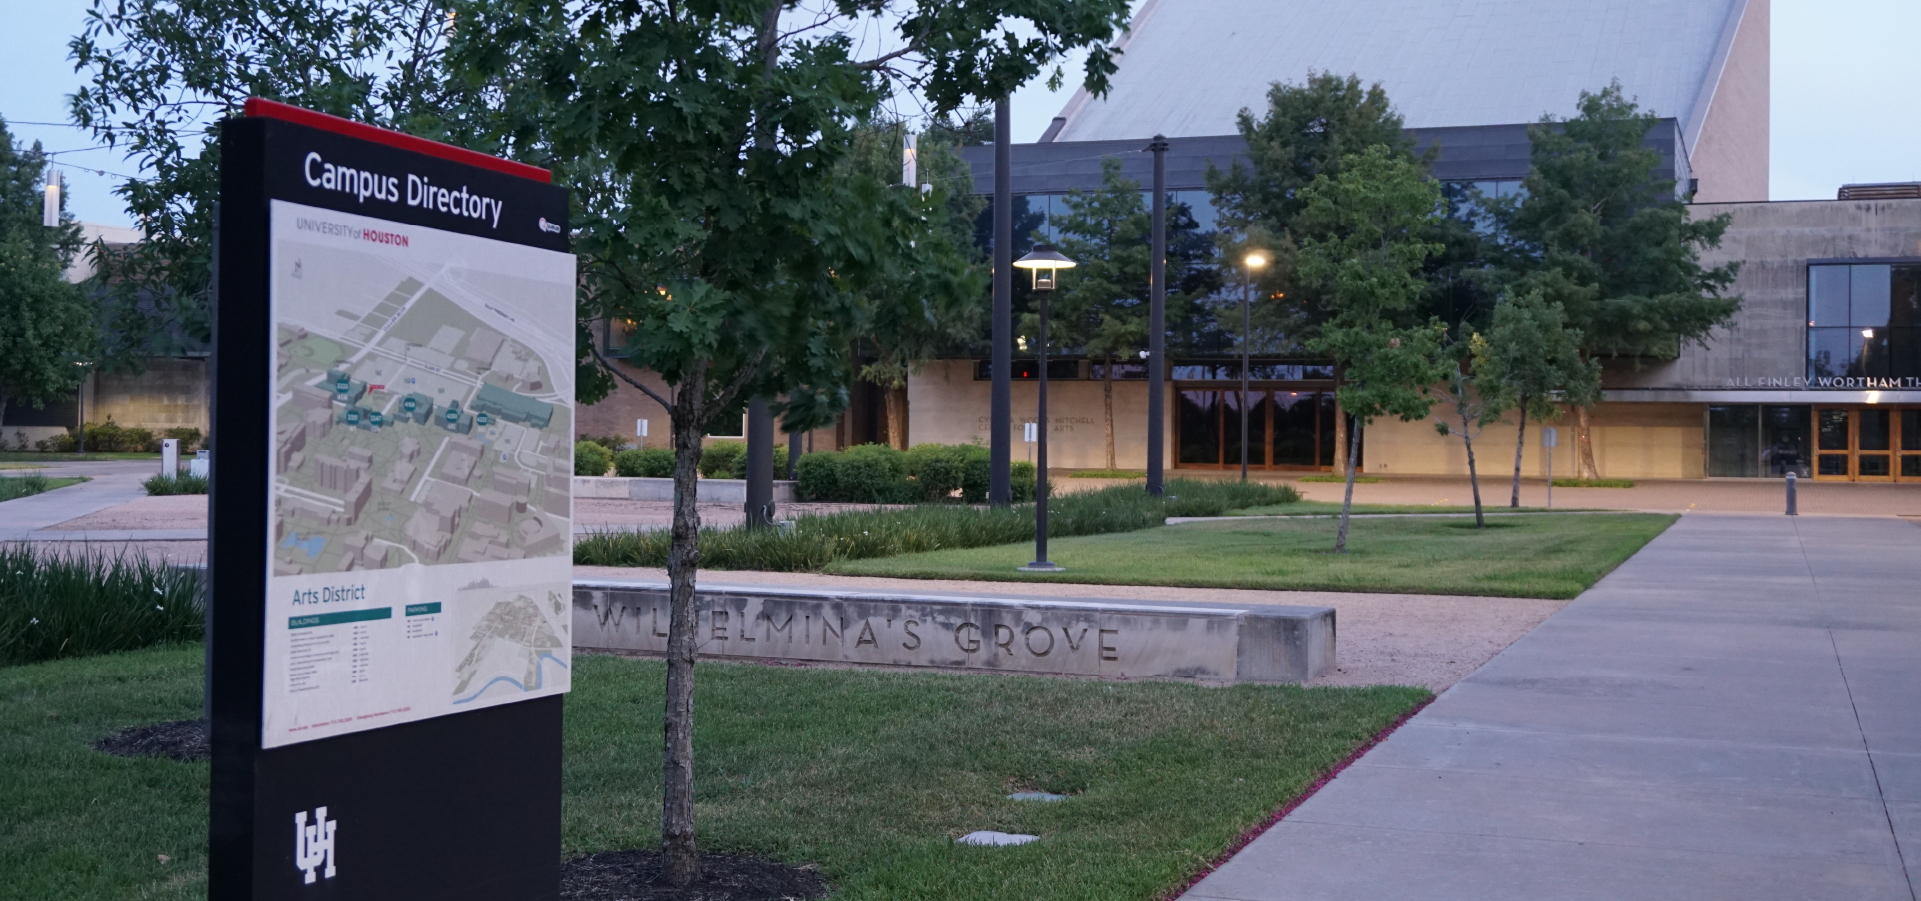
{"x":813,"y":542}
{"x":74,"y":604}
{"x":12,"y":487}
{"x":178,"y":483}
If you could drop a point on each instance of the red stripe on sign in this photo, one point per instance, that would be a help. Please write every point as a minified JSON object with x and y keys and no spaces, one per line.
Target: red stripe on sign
{"x":258,"y":107}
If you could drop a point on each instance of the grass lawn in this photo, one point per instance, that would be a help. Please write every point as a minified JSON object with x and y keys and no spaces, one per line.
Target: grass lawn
{"x":870,"y":775}
{"x":1333,"y":508}
{"x":1546,"y":556}
{"x":12,"y":487}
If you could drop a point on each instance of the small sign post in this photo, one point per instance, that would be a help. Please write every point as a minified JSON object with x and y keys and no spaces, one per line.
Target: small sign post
{"x":392,"y":597}
{"x":1550,"y":437}
{"x":1030,"y":433}
{"x":170,"y":457}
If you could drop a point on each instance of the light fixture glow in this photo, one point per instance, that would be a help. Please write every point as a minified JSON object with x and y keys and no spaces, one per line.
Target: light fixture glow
{"x":1256,"y":260}
{"x":1867,"y":333}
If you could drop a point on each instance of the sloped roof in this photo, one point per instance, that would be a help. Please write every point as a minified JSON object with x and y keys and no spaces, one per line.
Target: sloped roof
{"x":1190,"y":65}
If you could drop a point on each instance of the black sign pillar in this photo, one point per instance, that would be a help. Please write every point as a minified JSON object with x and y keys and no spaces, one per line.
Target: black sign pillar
{"x":386,"y":474}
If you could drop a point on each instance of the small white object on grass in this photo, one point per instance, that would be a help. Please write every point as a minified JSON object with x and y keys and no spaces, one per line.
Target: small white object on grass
{"x":995,"y":838}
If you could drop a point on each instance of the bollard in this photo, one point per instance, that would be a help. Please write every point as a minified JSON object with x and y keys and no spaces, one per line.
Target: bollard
{"x":1791,"y":494}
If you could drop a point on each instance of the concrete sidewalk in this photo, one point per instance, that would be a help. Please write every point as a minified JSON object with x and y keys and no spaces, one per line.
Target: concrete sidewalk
{"x":1734,"y":713}
{"x":114,"y":482}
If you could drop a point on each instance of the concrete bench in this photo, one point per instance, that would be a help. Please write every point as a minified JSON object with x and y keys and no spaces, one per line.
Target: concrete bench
{"x":1216,"y":644}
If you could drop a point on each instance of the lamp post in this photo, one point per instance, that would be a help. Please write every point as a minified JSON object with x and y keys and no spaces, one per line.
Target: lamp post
{"x":1045,"y":263}
{"x":1254,"y":260}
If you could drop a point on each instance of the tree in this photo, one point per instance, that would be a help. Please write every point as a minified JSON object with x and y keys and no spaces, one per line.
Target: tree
{"x":1103,"y":308}
{"x":163,"y":73}
{"x":1597,"y":233}
{"x":913,"y":320}
{"x":1365,"y":260}
{"x":706,"y":144}
{"x":1309,"y":131}
{"x":46,"y":324}
{"x":1475,"y":402}
{"x":1536,"y":359}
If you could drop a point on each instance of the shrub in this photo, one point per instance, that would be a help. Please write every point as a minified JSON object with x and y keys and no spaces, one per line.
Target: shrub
{"x":178,"y":483}
{"x":941,"y":468}
{"x":613,"y":443}
{"x":188,"y":437}
{"x":875,"y":474}
{"x":1020,"y":482}
{"x":644,"y":463}
{"x":724,"y":460}
{"x":816,"y":476}
{"x":591,"y":459}
{"x":77,"y":604}
{"x":109,"y":437}
{"x":816,"y":541}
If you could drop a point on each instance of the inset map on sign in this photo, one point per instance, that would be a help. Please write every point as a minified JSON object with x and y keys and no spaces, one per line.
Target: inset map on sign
{"x":412,"y":424}
{"x":513,"y":644}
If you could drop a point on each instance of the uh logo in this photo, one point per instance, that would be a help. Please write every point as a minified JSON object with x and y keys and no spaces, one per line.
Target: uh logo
{"x":314,"y":845}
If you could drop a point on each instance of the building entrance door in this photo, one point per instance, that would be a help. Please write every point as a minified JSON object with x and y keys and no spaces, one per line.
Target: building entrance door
{"x":1867,"y":444}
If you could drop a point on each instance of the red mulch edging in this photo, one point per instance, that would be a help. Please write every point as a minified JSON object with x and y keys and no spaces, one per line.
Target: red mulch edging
{"x":1250,"y":835}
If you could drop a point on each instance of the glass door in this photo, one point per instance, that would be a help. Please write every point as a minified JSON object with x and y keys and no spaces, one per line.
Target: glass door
{"x":1908,"y":426}
{"x":1867,"y":444}
{"x":1873,"y":444}
{"x":1833,"y":444}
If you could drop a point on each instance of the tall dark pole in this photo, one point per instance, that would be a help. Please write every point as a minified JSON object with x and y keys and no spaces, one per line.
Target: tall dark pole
{"x":1157,"y":322}
{"x":1000,"y":445}
{"x":760,"y":463}
{"x":1247,"y":299}
{"x":1041,"y":563}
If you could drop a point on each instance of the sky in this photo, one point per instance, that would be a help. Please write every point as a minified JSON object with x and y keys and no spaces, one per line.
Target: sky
{"x":1839,"y":69}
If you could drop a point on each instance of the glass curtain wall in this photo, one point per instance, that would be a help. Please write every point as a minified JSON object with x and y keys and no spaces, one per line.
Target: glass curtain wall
{"x":1864,"y":321}
{"x":1759,"y":440}
{"x":1285,"y":429}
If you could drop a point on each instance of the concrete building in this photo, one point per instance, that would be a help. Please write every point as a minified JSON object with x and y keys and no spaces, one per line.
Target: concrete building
{"x":1820,"y":372}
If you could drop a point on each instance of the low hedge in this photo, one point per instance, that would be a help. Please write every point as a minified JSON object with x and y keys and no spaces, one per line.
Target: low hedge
{"x":816,"y":541}
{"x":879,"y":474}
{"x":644,"y":463}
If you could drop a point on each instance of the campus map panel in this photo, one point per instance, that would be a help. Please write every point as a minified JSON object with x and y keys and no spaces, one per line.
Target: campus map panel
{"x":421,"y":506}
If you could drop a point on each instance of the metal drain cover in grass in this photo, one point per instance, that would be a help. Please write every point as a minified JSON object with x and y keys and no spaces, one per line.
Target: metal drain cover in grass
{"x":995,"y":838}
{"x":1036,"y":796}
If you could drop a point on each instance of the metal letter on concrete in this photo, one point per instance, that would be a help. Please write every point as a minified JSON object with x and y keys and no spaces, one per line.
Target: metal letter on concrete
{"x":760,"y":463}
{"x":1157,"y":321}
{"x":1000,"y":445}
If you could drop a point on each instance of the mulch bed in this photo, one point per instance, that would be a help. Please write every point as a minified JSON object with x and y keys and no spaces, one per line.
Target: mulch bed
{"x":633,"y":876}
{"x":183,"y":740}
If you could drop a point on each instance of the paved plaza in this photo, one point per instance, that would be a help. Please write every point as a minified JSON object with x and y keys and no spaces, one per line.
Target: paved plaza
{"x":1730,"y":714}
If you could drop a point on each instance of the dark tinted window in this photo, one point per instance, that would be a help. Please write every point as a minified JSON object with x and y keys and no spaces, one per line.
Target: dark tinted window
{"x":1827,"y":296}
{"x":1868,"y":291}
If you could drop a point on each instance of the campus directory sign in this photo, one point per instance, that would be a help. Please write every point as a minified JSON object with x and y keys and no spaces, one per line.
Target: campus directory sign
{"x":391,"y":553}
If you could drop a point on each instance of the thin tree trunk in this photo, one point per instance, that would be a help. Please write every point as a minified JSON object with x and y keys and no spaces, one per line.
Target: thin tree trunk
{"x":1107,"y":404}
{"x":896,"y":399}
{"x":679,"y":858}
{"x":1473,"y":476}
{"x":1584,"y":445}
{"x":1520,"y":441}
{"x":1347,"y":500}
